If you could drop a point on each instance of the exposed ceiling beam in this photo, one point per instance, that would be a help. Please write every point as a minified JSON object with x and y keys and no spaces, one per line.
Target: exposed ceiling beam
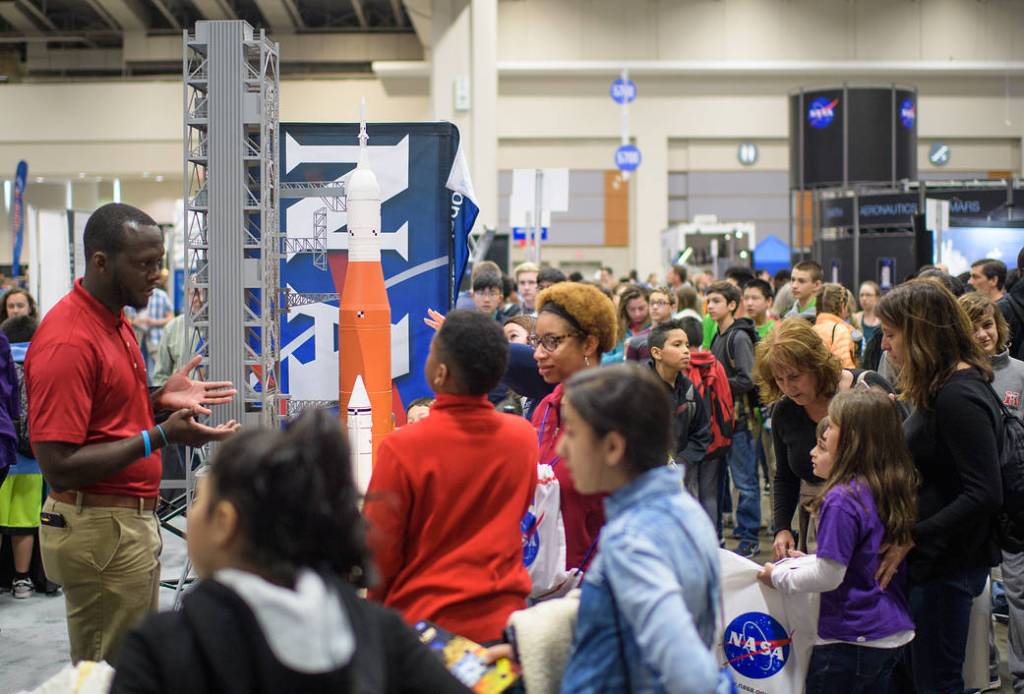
{"x":121,"y":14}
{"x":282,"y":15}
{"x":214,"y":9}
{"x":38,"y":14}
{"x":396,"y":9}
{"x":171,"y":19}
{"x":357,"y":7}
{"x":14,"y":15}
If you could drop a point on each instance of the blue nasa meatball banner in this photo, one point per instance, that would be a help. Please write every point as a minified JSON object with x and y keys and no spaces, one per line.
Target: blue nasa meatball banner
{"x":427,"y":211}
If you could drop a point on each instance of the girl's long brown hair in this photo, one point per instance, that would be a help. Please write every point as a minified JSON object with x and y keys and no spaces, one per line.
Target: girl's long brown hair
{"x":937,"y":336}
{"x":635,"y":292}
{"x":872,"y":450}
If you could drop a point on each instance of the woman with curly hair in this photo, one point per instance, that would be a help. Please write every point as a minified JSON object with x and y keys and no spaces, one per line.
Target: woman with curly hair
{"x":954,"y":437}
{"x":797,"y":373}
{"x":575,"y":326}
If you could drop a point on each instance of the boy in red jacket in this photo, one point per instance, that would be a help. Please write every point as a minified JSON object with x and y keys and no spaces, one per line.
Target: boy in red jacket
{"x":707,"y":374}
{"x":448,"y":493}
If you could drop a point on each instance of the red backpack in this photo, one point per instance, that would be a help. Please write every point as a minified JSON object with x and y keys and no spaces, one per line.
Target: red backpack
{"x":709,"y":378}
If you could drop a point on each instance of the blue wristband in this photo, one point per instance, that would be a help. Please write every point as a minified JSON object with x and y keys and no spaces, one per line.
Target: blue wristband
{"x":163,"y":435}
{"x":145,"y":441}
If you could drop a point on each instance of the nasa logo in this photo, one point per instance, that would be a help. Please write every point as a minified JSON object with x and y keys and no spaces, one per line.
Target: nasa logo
{"x":531,"y":538}
{"x":908,"y":113}
{"x":822,"y":112}
{"x":756,"y":645}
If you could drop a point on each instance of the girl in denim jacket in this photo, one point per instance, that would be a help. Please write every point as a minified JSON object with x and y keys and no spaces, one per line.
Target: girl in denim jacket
{"x":650,"y":601}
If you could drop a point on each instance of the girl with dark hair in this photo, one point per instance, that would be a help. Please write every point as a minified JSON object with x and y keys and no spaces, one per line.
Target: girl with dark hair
{"x":18,"y":302}
{"x":953,"y":436}
{"x":648,"y":609}
{"x":868,"y":500}
{"x":276,"y":534}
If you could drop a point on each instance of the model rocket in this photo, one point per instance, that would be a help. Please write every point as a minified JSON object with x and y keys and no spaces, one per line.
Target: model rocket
{"x":360,"y":434}
{"x":364,"y":328}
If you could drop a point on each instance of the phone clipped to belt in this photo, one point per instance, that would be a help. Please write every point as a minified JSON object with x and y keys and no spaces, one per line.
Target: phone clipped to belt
{"x":54,"y":520}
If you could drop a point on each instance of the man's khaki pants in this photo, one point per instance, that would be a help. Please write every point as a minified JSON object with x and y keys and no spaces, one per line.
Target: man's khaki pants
{"x":108,"y":561}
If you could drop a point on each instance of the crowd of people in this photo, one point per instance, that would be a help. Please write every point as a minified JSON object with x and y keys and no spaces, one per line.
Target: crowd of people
{"x":562,"y":499}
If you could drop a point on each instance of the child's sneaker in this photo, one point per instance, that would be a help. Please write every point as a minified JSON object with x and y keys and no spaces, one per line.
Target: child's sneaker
{"x":747,"y":550}
{"x":22,"y":588}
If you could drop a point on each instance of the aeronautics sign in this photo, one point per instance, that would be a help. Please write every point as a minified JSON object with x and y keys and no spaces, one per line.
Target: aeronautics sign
{"x":899,"y":209}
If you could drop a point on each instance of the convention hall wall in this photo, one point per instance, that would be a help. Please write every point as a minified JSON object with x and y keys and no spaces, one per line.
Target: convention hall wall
{"x":554,"y":63}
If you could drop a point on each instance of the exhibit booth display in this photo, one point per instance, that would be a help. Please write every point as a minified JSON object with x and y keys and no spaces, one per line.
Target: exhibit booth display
{"x":856,"y":205}
{"x":427,"y":210}
{"x":872,"y":235}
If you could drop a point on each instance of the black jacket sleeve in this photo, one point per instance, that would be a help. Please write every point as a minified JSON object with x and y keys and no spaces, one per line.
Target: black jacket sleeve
{"x":521,"y":374}
{"x":786,"y":484}
{"x":966,"y":429}
{"x":412,"y":667}
{"x":699,"y":434}
{"x":741,"y":350}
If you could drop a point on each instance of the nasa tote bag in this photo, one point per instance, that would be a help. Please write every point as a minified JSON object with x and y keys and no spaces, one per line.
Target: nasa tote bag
{"x":544,"y":539}
{"x":768,"y":636}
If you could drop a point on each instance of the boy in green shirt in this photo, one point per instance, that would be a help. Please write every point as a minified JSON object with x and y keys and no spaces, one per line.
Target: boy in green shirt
{"x":757,"y":298}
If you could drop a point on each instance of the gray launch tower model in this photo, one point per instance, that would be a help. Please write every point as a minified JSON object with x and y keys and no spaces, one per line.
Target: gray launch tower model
{"x":232,"y":236}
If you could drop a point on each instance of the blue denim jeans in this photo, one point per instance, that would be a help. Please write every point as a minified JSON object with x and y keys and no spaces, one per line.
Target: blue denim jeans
{"x":846,"y":668}
{"x":941,"y":608}
{"x":743,"y":470}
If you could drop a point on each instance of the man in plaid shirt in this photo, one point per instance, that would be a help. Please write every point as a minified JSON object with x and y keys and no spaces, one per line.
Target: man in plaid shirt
{"x":149,"y":324}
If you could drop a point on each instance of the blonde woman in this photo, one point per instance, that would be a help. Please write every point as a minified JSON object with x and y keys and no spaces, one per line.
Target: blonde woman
{"x":798,"y":375}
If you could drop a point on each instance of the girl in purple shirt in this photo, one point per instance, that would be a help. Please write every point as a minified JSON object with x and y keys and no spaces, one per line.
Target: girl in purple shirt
{"x":869,"y":501}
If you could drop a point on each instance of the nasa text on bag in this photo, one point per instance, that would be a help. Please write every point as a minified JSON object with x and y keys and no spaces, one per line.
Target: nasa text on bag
{"x":427,"y":211}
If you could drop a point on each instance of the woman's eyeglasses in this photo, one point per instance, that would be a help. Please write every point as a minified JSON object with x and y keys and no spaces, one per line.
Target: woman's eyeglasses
{"x":549,"y":342}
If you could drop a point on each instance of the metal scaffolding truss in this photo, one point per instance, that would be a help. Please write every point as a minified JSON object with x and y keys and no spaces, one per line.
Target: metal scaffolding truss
{"x":233,"y":243}
{"x":332,"y":194}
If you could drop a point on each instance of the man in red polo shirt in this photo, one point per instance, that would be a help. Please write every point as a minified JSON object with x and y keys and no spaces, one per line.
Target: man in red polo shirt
{"x":448,"y":493}
{"x":94,"y":435}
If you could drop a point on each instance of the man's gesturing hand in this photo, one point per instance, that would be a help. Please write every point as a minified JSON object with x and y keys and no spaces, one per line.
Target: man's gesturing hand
{"x":181,"y":392}
{"x":182,"y":427}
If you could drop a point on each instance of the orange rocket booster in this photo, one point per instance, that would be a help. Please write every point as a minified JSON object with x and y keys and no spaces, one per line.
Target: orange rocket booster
{"x":364,"y":328}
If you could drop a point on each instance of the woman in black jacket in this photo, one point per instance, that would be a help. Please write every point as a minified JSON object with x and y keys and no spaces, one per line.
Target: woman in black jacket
{"x":798,"y":376}
{"x":953,"y":436}
{"x":276,"y":534}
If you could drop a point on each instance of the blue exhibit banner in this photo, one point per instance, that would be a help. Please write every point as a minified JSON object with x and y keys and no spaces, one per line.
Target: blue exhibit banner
{"x":427,"y":211}
{"x":18,"y":215}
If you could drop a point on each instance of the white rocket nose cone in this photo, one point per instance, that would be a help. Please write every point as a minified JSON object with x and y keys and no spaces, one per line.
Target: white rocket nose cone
{"x":360,"y":398}
{"x":362,"y":185}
